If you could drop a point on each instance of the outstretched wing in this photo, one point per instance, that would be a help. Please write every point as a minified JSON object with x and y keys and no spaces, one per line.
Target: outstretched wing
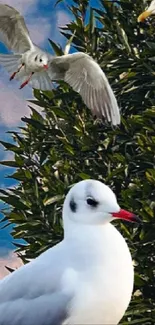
{"x":85,"y":76}
{"x":10,"y":62}
{"x":13,"y":31}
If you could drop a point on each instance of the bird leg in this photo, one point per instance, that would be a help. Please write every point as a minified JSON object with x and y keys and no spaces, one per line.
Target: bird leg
{"x":26,"y":81}
{"x":13,"y":75}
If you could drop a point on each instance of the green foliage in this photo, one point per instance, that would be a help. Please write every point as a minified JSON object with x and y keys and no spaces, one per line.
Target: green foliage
{"x":65,"y":144}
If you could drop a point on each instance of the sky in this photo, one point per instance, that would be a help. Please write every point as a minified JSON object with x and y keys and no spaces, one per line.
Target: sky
{"x":43,"y":21}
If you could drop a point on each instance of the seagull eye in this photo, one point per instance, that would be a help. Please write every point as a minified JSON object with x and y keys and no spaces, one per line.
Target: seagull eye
{"x":92,"y":202}
{"x":41,"y":60}
{"x":36,"y":58}
{"x":73,"y":205}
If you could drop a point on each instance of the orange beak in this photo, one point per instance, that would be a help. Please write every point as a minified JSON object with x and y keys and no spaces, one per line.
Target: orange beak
{"x":144,"y":15}
{"x":45,"y":66}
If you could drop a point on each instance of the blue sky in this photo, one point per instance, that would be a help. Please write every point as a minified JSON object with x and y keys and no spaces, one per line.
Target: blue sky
{"x":42,"y":20}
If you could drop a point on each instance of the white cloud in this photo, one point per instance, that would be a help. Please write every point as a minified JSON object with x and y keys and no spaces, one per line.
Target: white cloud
{"x":39,"y":30}
{"x":62,"y":18}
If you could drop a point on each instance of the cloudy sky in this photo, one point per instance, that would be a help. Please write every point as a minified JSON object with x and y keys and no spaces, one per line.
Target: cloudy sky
{"x":43,"y":21}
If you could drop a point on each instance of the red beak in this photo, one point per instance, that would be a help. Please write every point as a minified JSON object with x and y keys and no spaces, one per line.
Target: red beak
{"x":126,"y":215}
{"x":45,"y":66}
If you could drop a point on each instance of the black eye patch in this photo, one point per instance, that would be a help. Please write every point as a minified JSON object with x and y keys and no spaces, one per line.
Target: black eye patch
{"x":73,"y":205}
{"x":92,"y":202}
{"x":41,"y":60}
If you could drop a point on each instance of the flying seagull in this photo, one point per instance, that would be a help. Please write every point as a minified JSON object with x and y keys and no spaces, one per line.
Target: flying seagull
{"x":85,"y":279}
{"x":33,"y":66}
{"x":147,"y":13}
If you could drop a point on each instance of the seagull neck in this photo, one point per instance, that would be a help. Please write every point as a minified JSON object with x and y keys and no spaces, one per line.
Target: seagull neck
{"x":91,"y":244}
{"x":84,"y":233}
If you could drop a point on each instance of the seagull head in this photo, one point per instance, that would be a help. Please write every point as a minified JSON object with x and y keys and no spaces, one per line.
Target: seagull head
{"x":41,"y":61}
{"x":92,"y":202}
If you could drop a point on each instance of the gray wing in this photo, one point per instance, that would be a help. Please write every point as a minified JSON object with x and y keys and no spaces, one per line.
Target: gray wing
{"x":41,"y":80}
{"x":85,"y":76}
{"x":47,"y":309}
{"x":34,"y":294}
{"x":13,"y":31}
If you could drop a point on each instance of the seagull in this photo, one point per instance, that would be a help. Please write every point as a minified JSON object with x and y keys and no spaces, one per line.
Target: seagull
{"x":33,"y":66}
{"x":149,"y":12}
{"x":85,"y":279}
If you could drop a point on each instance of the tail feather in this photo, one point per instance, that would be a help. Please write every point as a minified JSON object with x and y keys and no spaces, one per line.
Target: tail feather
{"x":10,"y":61}
{"x":41,"y":80}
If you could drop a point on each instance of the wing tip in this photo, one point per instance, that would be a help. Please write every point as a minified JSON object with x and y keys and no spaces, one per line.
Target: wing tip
{"x":116,"y":120}
{"x":112,"y":120}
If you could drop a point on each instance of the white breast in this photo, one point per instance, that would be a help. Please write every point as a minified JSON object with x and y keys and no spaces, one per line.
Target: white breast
{"x":103,"y":291}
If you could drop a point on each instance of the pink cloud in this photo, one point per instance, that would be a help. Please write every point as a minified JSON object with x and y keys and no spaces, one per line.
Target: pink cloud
{"x":13,"y":105}
{"x":12,"y":261}
{"x":63,"y":18}
{"x":23,"y":6}
{"x":8,"y":156}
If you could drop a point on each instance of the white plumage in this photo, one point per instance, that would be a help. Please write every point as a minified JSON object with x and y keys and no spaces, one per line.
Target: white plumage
{"x":85,"y":279}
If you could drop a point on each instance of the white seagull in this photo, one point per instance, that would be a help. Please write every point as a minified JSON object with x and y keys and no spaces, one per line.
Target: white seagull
{"x":33,"y":66}
{"x":85,"y":279}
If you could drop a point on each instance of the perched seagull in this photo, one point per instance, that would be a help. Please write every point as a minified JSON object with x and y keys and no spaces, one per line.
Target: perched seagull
{"x":85,"y":279}
{"x":33,"y":66}
{"x":149,"y":12}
